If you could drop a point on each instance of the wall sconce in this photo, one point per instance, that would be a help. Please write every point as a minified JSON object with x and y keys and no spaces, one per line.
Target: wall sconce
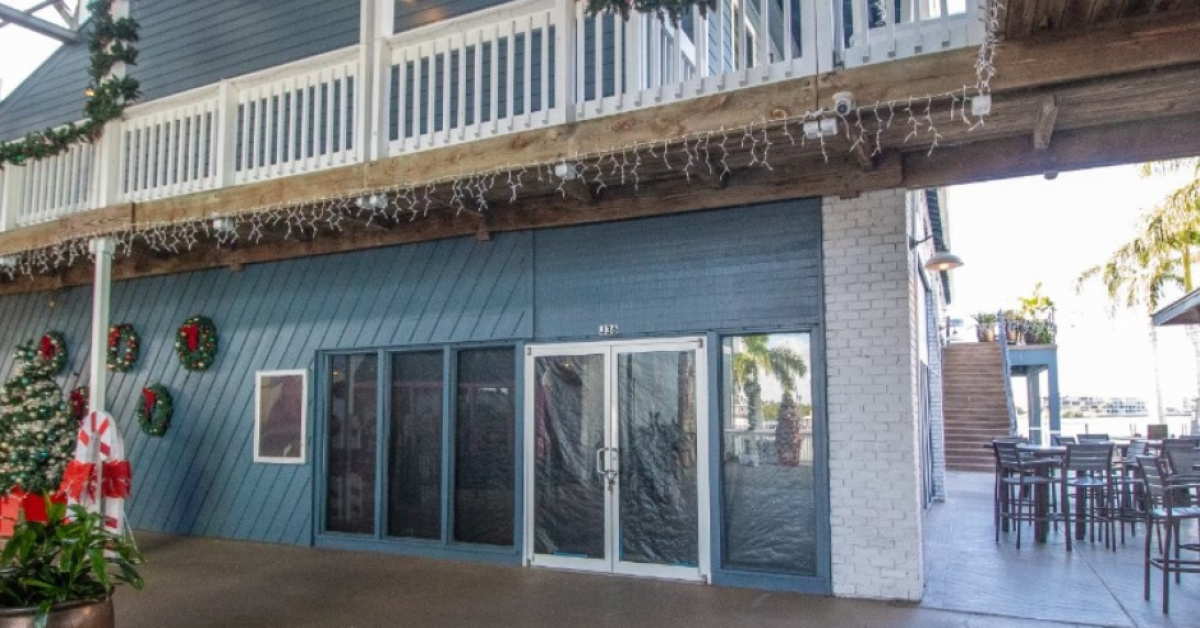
{"x":940,"y":261}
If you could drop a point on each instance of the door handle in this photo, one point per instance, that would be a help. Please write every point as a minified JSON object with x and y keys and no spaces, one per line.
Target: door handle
{"x":600,"y":461}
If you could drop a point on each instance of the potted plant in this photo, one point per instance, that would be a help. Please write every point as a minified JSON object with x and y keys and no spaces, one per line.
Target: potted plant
{"x":985,"y":326}
{"x":62,"y":572}
{"x":1014,"y":326}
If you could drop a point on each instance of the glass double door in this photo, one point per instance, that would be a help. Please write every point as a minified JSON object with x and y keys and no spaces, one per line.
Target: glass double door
{"x":615,"y":476}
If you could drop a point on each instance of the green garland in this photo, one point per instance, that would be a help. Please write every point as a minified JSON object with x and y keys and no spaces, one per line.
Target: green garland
{"x":672,"y":9}
{"x":123,"y":348}
{"x":52,"y":349}
{"x":196,"y":343}
{"x":108,"y":96}
{"x":155,"y":409}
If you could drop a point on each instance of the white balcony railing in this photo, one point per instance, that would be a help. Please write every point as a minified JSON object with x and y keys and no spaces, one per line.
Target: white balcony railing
{"x":878,"y":32}
{"x":523,"y":65}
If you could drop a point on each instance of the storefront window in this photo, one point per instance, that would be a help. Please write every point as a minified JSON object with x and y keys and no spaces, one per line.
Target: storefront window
{"x":415,"y":448}
{"x":767,"y":485}
{"x":484,"y":441}
{"x":350,"y":485}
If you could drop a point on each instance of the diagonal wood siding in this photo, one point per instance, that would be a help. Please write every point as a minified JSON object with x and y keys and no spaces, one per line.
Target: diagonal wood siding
{"x":199,"y":478}
{"x":748,"y":267}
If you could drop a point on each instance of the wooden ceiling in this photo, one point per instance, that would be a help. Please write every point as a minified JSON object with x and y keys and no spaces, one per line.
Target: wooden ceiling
{"x":1025,"y":18}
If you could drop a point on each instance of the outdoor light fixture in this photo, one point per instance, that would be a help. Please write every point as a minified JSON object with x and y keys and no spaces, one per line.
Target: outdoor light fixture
{"x":981,"y":105}
{"x":826,"y":127}
{"x":567,"y":171}
{"x":940,"y":261}
{"x":222,"y":224}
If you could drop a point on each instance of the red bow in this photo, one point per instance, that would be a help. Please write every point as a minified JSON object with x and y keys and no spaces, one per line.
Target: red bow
{"x":77,"y":478}
{"x":117,"y":478}
{"x":48,"y":349}
{"x":192,"y":331}
{"x":148,"y":398}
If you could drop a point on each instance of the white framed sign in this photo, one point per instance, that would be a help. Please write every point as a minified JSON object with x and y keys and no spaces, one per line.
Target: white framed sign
{"x":281,"y":417}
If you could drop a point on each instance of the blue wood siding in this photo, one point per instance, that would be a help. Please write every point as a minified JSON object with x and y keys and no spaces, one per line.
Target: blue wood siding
{"x":409,"y":15}
{"x":749,"y":267}
{"x":187,"y":44}
{"x":52,"y":95}
{"x":742,"y":268}
{"x":199,"y":478}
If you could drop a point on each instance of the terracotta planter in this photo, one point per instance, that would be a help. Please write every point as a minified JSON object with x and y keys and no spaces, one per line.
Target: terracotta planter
{"x":69,"y":615}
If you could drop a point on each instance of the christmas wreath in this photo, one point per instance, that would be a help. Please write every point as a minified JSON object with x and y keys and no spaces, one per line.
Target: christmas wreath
{"x":52,"y":349}
{"x":155,"y":410}
{"x":122,"y":348}
{"x":77,"y":403}
{"x":196,"y":343}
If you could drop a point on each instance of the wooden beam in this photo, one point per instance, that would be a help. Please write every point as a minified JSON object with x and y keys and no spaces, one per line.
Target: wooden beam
{"x":1078,"y":149}
{"x":666,"y":197}
{"x":581,"y":190}
{"x":864,"y":152}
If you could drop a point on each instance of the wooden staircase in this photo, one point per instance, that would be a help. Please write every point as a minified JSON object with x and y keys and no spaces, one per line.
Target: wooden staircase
{"x":974,"y":403}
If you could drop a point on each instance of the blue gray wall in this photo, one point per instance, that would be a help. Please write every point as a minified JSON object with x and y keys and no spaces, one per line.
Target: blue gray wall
{"x":186,"y":44}
{"x":730,"y":269}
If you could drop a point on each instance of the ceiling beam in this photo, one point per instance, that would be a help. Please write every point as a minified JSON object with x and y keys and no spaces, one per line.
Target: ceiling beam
{"x":37,"y":24}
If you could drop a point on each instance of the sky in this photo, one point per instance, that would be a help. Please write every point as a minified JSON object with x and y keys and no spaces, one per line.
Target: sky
{"x":22,"y":51}
{"x":1012,"y":234}
{"x":1017,"y":232}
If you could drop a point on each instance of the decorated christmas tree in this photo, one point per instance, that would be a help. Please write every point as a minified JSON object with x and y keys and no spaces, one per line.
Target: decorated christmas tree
{"x":36,"y":430}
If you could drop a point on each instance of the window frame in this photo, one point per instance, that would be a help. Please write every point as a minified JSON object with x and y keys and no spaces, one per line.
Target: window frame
{"x":258,"y":418}
{"x":445,"y":546}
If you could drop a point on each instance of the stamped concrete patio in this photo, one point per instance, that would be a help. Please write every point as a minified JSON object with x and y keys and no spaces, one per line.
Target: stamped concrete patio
{"x":972,"y":582}
{"x":966,"y":570}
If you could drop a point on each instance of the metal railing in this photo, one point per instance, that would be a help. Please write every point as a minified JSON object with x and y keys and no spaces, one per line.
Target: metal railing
{"x":522,"y":65}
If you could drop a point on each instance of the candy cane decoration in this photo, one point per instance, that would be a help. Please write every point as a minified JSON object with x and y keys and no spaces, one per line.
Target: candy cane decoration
{"x":99,"y":476}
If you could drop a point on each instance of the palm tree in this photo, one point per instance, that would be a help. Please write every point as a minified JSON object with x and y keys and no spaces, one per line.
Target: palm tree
{"x":1159,"y":259}
{"x":756,"y":359}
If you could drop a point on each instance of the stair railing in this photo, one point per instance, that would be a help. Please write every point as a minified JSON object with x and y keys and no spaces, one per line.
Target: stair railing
{"x":1002,"y":338}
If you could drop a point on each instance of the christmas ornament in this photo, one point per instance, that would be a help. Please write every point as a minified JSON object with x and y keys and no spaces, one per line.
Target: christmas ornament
{"x":77,"y":402}
{"x":155,"y":410}
{"x":123,"y":348}
{"x":36,"y":429}
{"x":52,"y":349}
{"x":196,"y":343}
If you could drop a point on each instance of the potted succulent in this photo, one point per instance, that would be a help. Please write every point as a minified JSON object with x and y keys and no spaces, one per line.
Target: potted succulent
{"x":985,"y":326}
{"x":61,"y":573}
{"x":1014,"y":326}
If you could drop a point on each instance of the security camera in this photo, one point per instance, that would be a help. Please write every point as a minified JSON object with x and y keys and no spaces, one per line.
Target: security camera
{"x":843,"y":103}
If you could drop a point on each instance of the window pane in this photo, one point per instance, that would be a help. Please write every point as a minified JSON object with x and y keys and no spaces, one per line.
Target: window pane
{"x":350,"y":485}
{"x":769,"y":509}
{"x":415,"y":450}
{"x":483,"y":447}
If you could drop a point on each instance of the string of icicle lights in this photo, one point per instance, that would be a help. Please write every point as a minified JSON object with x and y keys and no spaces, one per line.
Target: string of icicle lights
{"x":709,"y":154}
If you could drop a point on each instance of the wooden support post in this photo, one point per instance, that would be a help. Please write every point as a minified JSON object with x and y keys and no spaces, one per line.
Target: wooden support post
{"x":864,"y":153}
{"x":581,"y":191}
{"x":1043,"y":131}
{"x":102,"y":250}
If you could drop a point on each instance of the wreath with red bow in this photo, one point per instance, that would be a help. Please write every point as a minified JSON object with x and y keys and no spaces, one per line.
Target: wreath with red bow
{"x":77,"y":403}
{"x":155,"y":410}
{"x":52,"y":349}
{"x":122,"y":348}
{"x":196,"y":343}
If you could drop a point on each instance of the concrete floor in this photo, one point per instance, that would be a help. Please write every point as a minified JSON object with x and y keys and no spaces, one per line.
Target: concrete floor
{"x":966,"y":570}
{"x":972,"y":582}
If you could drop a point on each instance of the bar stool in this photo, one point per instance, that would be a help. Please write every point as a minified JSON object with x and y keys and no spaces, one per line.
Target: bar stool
{"x":1093,"y":483}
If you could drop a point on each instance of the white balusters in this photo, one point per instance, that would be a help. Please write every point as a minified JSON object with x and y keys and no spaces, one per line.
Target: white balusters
{"x":920,"y":26}
{"x":482,"y":75}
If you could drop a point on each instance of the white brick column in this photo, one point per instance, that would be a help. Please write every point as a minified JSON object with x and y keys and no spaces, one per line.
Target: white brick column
{"x":871,"y":364}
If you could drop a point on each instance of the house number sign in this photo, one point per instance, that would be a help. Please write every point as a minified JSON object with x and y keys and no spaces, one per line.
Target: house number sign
{"x":608,"y":330}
